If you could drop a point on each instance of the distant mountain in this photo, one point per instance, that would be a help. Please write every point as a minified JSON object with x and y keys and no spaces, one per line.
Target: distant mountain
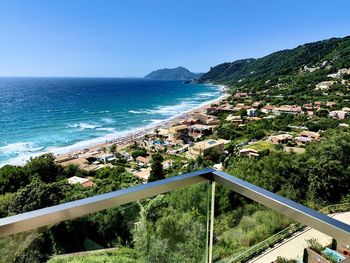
{"x":179,"y":73}
{"x":312,"y":60}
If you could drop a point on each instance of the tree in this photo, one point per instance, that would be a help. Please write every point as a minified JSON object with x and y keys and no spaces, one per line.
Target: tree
{"x":157,"y":172}
{"x":73,"y":170}
{"x":12,"y":178}
{"x":139,"y":152}
{"x":113,"y":149}
{"x":44,"y":168}
{"x":37,"y":195}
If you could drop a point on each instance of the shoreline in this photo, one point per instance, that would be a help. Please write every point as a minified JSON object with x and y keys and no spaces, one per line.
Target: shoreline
{"x":130,"y":136}
{"x":121,"y":140}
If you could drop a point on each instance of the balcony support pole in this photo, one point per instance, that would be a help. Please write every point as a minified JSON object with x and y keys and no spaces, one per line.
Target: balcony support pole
{"x":211,"y":228}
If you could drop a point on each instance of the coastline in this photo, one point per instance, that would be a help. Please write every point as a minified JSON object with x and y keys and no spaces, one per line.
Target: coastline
{"x":121,"y":139}
{"x":130,"y":136}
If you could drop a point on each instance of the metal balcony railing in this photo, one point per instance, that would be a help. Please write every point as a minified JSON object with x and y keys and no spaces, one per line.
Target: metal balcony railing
{"x":51,"y":215}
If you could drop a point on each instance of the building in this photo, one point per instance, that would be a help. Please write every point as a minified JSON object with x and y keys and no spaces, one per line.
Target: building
{"x":223,"y":108}
{"x":313,"y":135}
{"x":330,"y":104}
{"x":167,"y":163}
{"x":339,"y":114}
{"x":234,"y":119}
{"x":267,"y":109}
{"x":190,"y":121}
{"x":318,"y":104}
{"x":105,"y":157}
{"x":253,"y":119}
{"x":256,"y":104}
{"x":143,"y":160}
{"x":201,"y":148}
{"x":324,"y":85}
{"x":239,"y":95}
{"x":65,"y":158}
{"x":279,"y":138}
{"x":199,"y":130}
{"x":249,"y":152}
{"x":308,"y":106}
{"x":307,"y":136}
{"x":289,"y":109}
{"x":85,"y":182}
{"x":206,"y":119}
{"x":174,"y":133}
{"x":251,"y":112}
{"x":340,"y":72}
{"x":310,"y":113}
{"x":143,"y":174}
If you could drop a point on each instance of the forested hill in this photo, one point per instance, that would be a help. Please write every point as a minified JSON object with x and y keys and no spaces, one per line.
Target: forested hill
{"x":327,"y":55}
{"x":179,"y":73}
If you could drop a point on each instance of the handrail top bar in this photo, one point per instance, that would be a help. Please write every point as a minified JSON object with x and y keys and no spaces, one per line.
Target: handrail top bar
{"x":70,"y":210}
{"x":102,"y":197}
{"x":54,"y":214}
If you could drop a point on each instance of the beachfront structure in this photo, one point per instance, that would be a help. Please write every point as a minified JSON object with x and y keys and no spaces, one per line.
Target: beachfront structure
{"x":222,"y":108}
{"x":199,"y":130}
{"x":65,"y":158}
{"x":174,"y":133}
{"x":201,"y":148}
{"x":105,"y":157}
{"x":206,"y":119}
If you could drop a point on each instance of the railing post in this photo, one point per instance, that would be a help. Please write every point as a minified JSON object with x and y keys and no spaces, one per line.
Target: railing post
{"x":208,"y":223}
{"x":211,"y":228}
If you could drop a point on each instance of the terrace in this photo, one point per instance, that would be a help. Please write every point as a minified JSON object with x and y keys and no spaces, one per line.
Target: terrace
{"x":302,"y":215}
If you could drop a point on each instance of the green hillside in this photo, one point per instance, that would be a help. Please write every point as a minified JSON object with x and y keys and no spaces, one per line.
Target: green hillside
{"x":179,"y":73}
{"x":325,"y":56}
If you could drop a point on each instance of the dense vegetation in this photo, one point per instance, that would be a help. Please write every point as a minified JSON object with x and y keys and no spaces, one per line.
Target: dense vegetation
{"x":284,"y":66}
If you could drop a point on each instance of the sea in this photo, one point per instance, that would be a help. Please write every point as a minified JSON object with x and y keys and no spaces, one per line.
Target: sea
{"x":58,"y":115}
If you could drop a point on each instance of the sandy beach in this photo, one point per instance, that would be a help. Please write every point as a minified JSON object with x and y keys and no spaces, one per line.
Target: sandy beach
{"x":124,"y":140}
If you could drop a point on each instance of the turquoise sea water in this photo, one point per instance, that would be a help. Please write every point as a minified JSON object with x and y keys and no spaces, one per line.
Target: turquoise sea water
{"x":60,"y":114}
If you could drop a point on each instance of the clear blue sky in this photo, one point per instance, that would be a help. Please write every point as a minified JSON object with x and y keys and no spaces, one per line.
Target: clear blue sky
{"x":123,"y":38}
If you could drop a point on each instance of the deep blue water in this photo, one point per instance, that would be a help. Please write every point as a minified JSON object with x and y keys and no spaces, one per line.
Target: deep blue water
{"x":57,"y":114}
